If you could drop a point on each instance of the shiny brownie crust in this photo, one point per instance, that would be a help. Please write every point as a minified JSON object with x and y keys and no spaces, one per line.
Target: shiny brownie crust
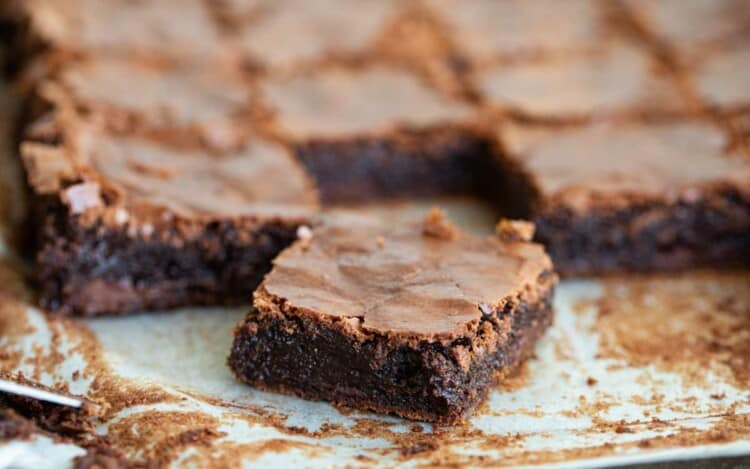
{"x":424,"y":379}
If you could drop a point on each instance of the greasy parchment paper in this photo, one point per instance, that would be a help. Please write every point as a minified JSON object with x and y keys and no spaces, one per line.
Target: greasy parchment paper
{"x":635,"y":369}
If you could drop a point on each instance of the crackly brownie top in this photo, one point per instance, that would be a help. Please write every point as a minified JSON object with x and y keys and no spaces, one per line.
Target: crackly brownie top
{"x":173,"y":27}
{"x":418,"y":280}
{"x":721,"y":76}
{"x":692,"y":23}
{"x":337,"y":101}
{"x":667,"y":159}
{"x":165,"y":96}
{"x":287,"y":32}
{"x":614,"y":79}
{"x":487,"y":29}
{"x":129,"y":177}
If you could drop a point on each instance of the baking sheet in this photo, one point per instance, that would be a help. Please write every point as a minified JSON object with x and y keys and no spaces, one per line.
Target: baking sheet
{"x":635,"y":369}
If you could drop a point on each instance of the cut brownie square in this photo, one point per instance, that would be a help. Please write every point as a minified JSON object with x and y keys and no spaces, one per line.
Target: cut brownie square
{"x":720,"y":77}
{"x":210,"y":106}
{"x":174,"y":28}
{"x":693,"y":24}
{"x":487,"y":30}
{"x":417,"y":320}
{"x":614,"y":80}
{"x":127,"y":223}
{"x":635,"y":196}
{"x":378,"y":131}
{"x":290,"y":33}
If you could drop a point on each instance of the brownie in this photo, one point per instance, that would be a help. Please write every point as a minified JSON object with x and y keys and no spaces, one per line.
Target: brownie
{"x":98,"y":453}
{"x":70,"y":422}
{"x":382,"y":99}
{"x":128,"y":223}
{"x":614,"y":80}
{"x":379,"y":131}
{"x":693,"y":24}
{"x":636,"y":196}
{"x":23,"y":419}
{"x":185,"y":102}
{"x":490,"y":30}
{"x":182,"y":29}
{"x":418,"y":320}
{"x":715,"y":76}
{"x":286,"y":34}
{"x":15,"y":427}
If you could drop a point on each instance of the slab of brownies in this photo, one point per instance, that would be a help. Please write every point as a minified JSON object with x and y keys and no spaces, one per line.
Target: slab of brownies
{"x":173,"y":155}
{"x":615,"y":137}
{"x":418,"y":320}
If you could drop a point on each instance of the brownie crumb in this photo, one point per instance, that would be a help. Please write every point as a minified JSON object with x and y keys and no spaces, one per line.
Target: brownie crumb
{"x":103,"y":457}
{"x":514,"y":230}
{"x":15,"y":427}
{"x":623,"y":429}
{"x":435,"y":225}
{"x":419,"y":448}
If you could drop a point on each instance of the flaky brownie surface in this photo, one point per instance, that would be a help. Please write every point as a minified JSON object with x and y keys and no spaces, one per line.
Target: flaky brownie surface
{"x":128,"y":222}
{"x":417,"y":320}
{"x":402,"y":99}
{"x":636,"y":196}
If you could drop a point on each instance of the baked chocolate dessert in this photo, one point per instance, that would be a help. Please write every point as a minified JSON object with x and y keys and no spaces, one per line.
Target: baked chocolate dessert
{"x":380,"y":131}
{"x":419,"y":321}
{"x":23,"y":419}
{"x":510,"y":30}
{"x":693,"y":25}
{"x":285,"y":34}
{"x":381,"y":99}
{"x":191,"y":104}
{"x":635,"y":196}
{"x":615,"y":80}
{"x":127,"y":223}
{"x":181,"y":29}
{"x":715,"y":75}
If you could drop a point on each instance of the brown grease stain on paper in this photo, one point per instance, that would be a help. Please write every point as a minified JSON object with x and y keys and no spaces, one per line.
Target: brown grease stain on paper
{"x":689,"y":323}
{"x":684,"y":302}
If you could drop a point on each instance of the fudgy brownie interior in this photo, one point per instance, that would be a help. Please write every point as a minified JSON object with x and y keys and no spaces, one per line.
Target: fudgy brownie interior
{"x":418,"y":320}
{"x":636,"y":196}
{"x":127,"y":223}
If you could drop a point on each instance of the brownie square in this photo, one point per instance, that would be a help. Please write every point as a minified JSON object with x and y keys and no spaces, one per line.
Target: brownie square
{"x":171,"y":28}
{"x":208,"y":106}
{"x":490,"y":30}
{"x":692,"y":24}
{"x":721,"y":77}
{"x":635,"y":196}
{"x":129,"y":223}
{"x":614,"y":80}
{"x":288,"y":33}
{"x":417,"y":320}
{"x":378,"y":131}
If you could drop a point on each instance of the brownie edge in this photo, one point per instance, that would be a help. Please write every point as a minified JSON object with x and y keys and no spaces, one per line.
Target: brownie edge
{"x":277,"y":350}
{"x":100,"y":269}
